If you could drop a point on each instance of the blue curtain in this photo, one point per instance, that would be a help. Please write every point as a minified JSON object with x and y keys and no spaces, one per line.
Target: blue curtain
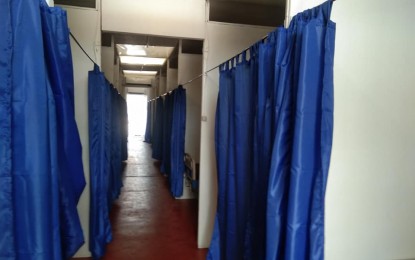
{"x":41,"y":164}
{"x":167,"y":131}
{"x":107,"y":137}
{"x":29,"y":197}
{"x":71,"y":174}
{"x":273,"y":134}
{"x":99,"y":111}
{"x":177,"y":141}
{"x":123,"y":121}
{"x":153,"y":119}
{"x":116,"y":144}
{"x":147,"y":135}
{"x":311,"y":126}
{"x":168,"y":136}
{"x":218,"y":245}
{"x":7,"y":244}
{"x":158,"y":130}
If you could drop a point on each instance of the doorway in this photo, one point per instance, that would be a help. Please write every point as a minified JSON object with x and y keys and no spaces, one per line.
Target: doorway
{"x":137,"y":111}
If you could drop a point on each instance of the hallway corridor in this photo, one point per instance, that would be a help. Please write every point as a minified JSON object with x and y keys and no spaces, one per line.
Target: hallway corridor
{"x":147,"y":222}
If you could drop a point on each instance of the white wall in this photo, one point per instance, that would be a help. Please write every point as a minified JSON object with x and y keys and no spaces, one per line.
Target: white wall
{"x":172,"y":82}
{"x":190,"y":66}
{"x":111,"y":70}
{"x":118,"y":78}
{"x":370,"y":208}
{"x":179,"y":18}
{"x":162,"y":88}
{"x":151,"y":93}
{"x":371,"y":192}
{"x":85,"y":25}
{"x":222,"y":42}
{"x":108,"y":66}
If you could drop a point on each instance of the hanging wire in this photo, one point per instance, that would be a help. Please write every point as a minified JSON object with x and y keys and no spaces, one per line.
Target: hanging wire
{"x":89,"y":57}
{"x":209,"y":70}
{"x":73,"y":37}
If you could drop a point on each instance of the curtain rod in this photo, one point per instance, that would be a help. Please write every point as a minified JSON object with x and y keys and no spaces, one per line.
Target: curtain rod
{"x":80,"y":46}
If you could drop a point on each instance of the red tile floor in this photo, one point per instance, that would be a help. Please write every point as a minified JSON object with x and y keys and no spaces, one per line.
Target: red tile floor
{"x":147,"y":222}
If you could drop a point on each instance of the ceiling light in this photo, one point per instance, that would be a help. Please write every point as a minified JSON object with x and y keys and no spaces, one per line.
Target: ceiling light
{"x":139,"y":72}
{"x":136,"y":52}
{"x":133,"y":50}
{"x":133,"y":60}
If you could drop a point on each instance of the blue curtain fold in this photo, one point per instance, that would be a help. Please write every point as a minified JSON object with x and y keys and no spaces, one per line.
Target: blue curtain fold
{"x":29,"y":165}
{"x":168,"y":127}
{"x":153,"y":119}
{"x":158,"y":130}
{"x":42,"y":172}
{"x":107,"y":140}
{"x":243,"y":121}
{"x":100,"y":164}
{"x":34,"y":168}
{"x":169,"y":104}
{"x":123,"y":117}
{"x":262,"y":146}
{"x":177,"y":141}
{"x":71,"y":174}
{"x":7,"y":243}
{"x":147,"y":135}
{"x":116,"y":145}
{"x":312,"y":135}
{"x":273,"y":134}
{"x":218,"y":247}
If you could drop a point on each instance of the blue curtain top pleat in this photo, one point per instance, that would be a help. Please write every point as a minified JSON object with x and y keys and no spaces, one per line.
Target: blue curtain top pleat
{"x":322,"y":13}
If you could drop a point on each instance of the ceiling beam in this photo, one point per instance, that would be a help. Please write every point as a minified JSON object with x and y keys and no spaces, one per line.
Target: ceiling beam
{"x":140,"y":67}
{"x":135,"y":39}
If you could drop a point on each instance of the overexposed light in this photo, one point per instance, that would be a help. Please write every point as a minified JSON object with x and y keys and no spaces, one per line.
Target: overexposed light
{"x":136,"y":121}
{"x":139,"y":72}
{"x":136,"y":52}
{"x":133,"y":50}
{"x":133,"y":60}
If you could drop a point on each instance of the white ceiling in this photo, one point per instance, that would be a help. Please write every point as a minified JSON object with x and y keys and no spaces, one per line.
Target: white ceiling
{"x":254,"y":12}
{"x":148,"y":51}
